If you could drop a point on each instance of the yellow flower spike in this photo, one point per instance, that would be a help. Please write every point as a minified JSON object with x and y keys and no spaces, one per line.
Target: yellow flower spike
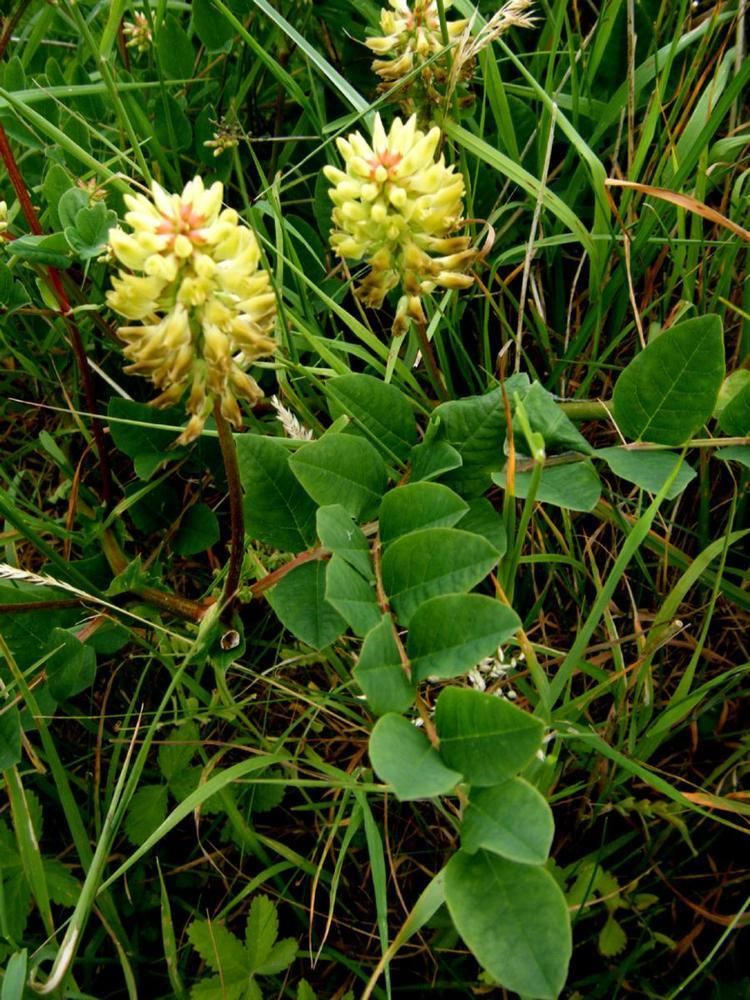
{"x":189,"y":275}
{"x":412,"y":42}
{"x":400,"y":217}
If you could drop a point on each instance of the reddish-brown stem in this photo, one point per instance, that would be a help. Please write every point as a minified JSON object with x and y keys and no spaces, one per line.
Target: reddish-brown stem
{"x":22,"y":606}
{"x":183,"y":607}
{"x":271,"y":579}
{"x":10,"y":24}
{"x":55,"y":281}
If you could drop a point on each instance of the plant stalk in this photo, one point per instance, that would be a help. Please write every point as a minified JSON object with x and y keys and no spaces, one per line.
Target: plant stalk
{"x":10,"y":23}
{"x":587,"y":409}
{"x":237,"y":541}
{"x":428,"y":354}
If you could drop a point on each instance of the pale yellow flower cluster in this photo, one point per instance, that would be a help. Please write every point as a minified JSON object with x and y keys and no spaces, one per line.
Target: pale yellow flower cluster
{"x":138,"y":33}
{"x":396,"y":208}
{"x":411,"y":40}
{"x":3,"y":216}
{"x":203,"y":309}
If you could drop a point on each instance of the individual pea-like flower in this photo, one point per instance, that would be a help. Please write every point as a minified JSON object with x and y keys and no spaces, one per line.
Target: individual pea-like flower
{"x":202,"y":309}
{"x":396,"y":208}
{"x":412,"y":41}
{"x":3,"y":216}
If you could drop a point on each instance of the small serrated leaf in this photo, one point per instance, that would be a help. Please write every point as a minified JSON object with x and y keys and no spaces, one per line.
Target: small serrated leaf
{"x":305,"y":991}
{"x":221,"y":950}
{"x":147,"y":809}
{"x":62,"y":887}
{"x":215,"y":988}
{"x":279,"y":958}
{"x":178,"y":749}
{"x":261,"y":932}
{"x":612,"y":939}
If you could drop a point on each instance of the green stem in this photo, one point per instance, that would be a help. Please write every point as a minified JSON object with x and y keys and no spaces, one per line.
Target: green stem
{"x":428,"y":355}
{"x":587,"y":409}
{"x":237,"y":541}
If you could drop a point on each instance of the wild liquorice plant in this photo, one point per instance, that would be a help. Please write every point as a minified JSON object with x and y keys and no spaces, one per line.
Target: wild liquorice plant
{"x":388,"y":538}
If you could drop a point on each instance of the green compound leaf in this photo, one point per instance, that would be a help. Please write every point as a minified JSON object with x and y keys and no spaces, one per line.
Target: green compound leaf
{"x":733,"y":408}
{"x":72,"y":666}
{"x":482,"y":519}
{"x":513,"y":820}
{"x":221,"y":950}
{"x":419,"y":505}
{"x":338,"y":532}
{"x":300,"y":603}
{"x":175,"y":49}
{"x":431,"y":562}
{"x":380,"y":672}
{"x":89,"y":235}
{"x":515,"y":920}
{"x":735,"y":453}
{"x":352,"y":596}
{"x":669,"y":391}
{"x":575,"y":487}
{"x":378,"y":409}
{"x":432,"y":458}
{"x":648,"y":469}
{"x":475,"y":427}
{"x":261,"y":931}
{"x":449,"y":635}
{"x":547,"y":418}
{"x":199,"y":530}
{"x":402,"y":756}
{"x":133,"y":432}
{"x":485,"y":737}
{"x":278,"y":511}
{"x":51,"y":251}
{"x":343,"y":469}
